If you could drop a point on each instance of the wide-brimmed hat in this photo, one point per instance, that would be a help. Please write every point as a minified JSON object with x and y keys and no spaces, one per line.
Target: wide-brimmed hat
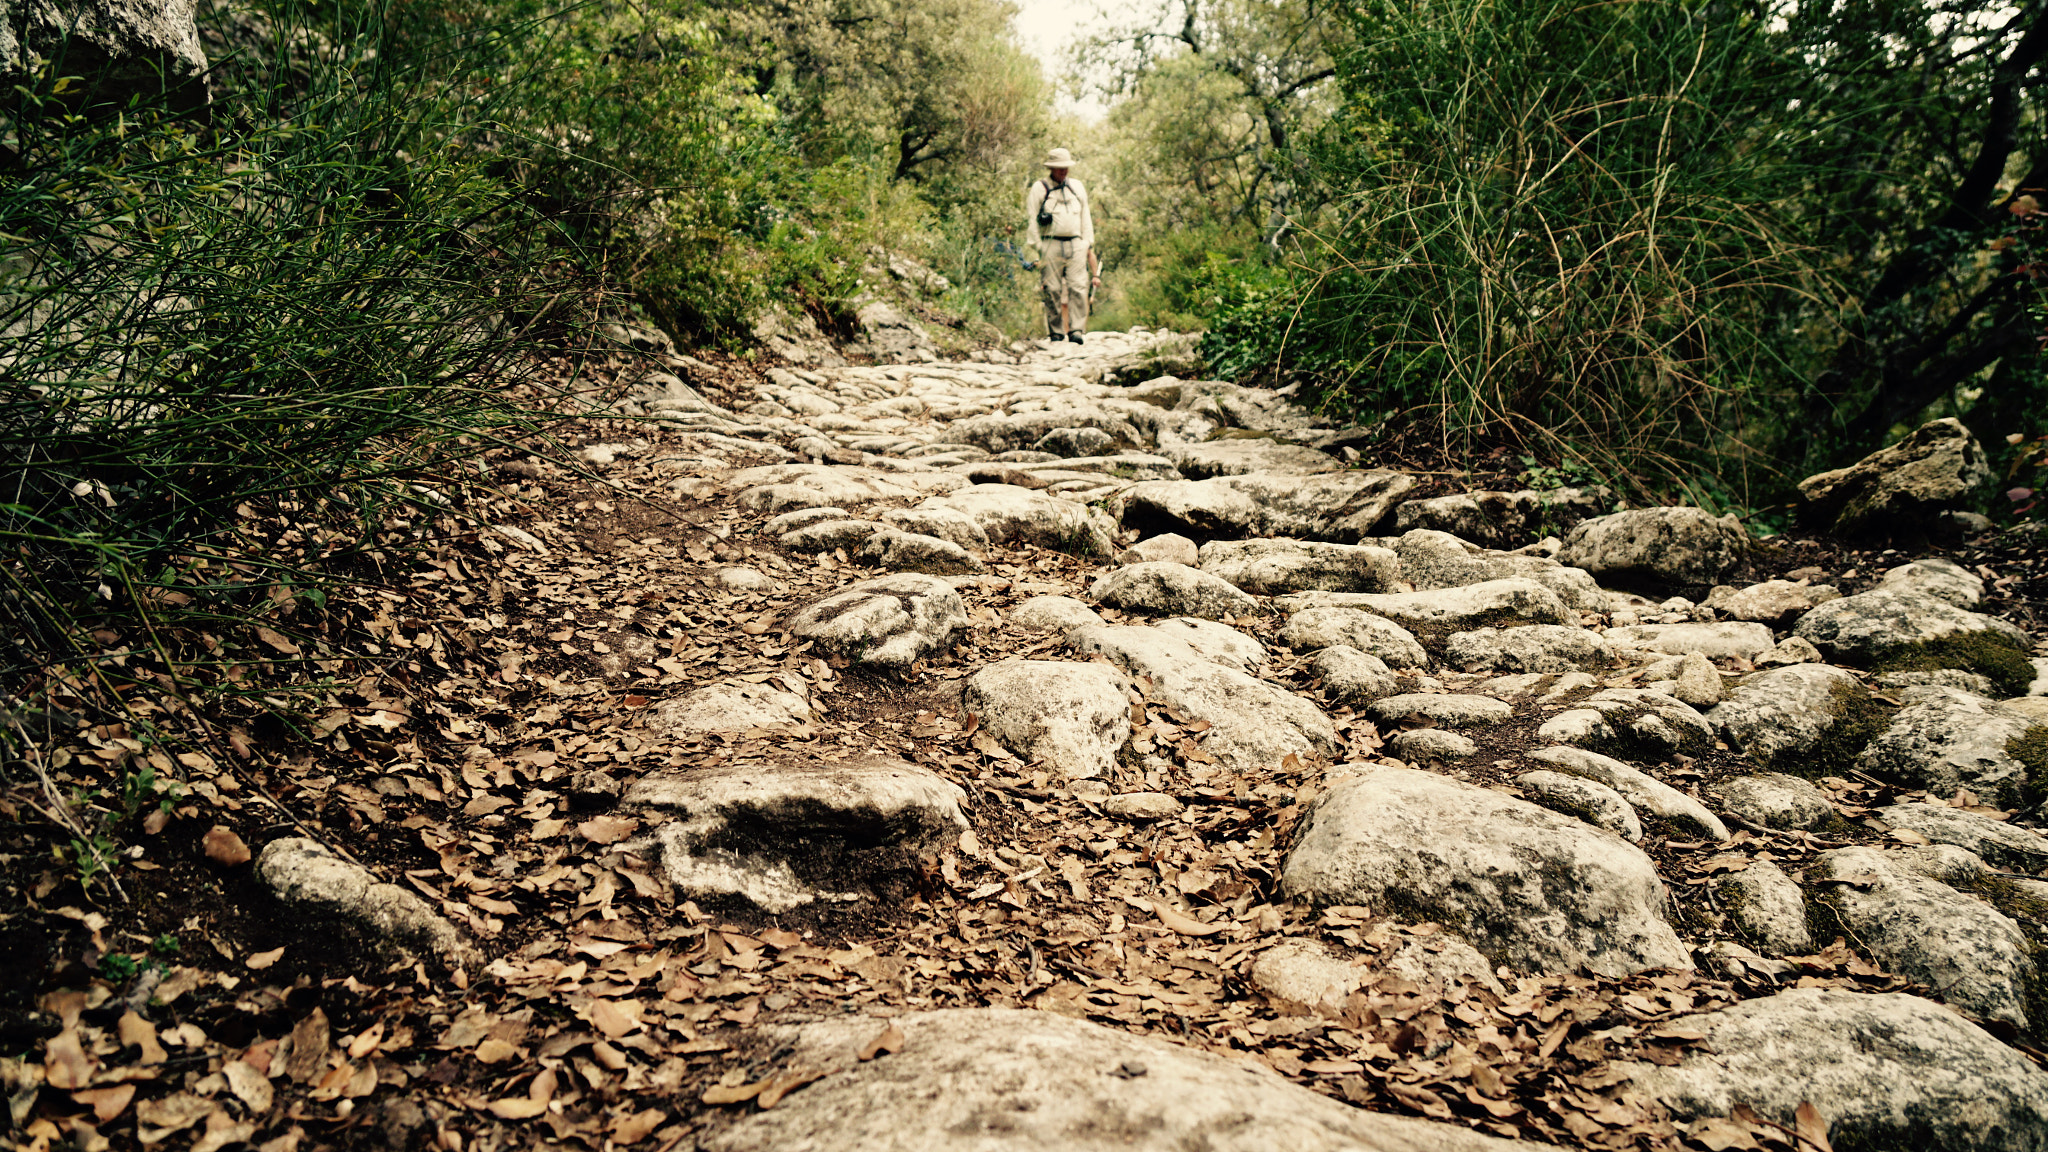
{"x":1059,"y":158}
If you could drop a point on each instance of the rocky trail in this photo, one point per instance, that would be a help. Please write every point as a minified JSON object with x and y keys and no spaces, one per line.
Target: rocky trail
{"x":1049,"y":751}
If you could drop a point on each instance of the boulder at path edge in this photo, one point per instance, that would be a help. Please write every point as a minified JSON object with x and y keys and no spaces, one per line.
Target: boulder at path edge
{"x":1656,"y":547}
{"x":1903,"y":488}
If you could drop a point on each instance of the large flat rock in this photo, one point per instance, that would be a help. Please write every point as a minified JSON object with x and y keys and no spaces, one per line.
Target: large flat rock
{"x":1011,"y":1080}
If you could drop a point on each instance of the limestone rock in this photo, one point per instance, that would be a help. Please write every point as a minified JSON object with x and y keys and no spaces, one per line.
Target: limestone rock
{"x":1927,"y":931}
{"x":1583,"y":799}
{"x":1768,"y":908}
{"x":1490,"y":603}
{"x":1784,"y":714}
{"x":328,"y":892}
{"x":1340,"y":506}
{"x":1888,"y":1070}
{"x":1699,"y":684}
{"x":1007,"y":514}
{"x":828,"y":535}
{"x":1053,"y":613}
{"x":789,"y":522}
{"x":1171,"y":589}
{"x":1450,"y":710}
{"x":1629,"y":721}
{"x":888,"y":622}
{"x":1655,"y":547}
{"x":1939,"y":578}
{"x":1529,"y":648}
{"x":1171,"y":548}
{"x":1306,"y":977}
{"x":1946,"y":739}
{"x":1774,"y":800}
{"x":1218,"y":642}
{"x":772,"y":703}
{"x":1068,"y":442}
{"x":1532,"y":889}
{"x":1352,"y":677}
{"x":1441,"y":960}
{"x":911,"y":552}
{"x":1235,"y":457}
{"x":1254,"y":724}
{"x":1975,"y":683}
{"x":782,"y":835}
{"x":1275,"y":567}
{"x":121,"y":48}
{"x":745,"y":580}
{"x":1071,"y":718}
{"x":1861,"y":628}
{"x":947,"y":524}
{"x":1901,"y":488}
{"x":1016,"y":1080}
{"x":1420,"y":745}
{"x":1142,"y":805}
{"x":1728,"y":640}
{"x":2012,"y":848}
{"x":780,"y":487}
{"x":1376,"y":636}
{"x":1773,"y":602}
{"x":1639,"y":788}
{"x":1499,"y":519}
{"x":1790,"y":650}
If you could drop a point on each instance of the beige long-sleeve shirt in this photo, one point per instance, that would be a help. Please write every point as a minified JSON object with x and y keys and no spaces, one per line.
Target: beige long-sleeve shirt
{"x":1071,"y":218}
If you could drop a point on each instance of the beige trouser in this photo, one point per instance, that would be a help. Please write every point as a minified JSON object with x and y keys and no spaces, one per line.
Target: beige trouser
{"x":1063,"y":279}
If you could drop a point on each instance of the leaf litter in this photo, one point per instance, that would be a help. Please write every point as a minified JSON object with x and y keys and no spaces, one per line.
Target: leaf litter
{"x":482,"y":718}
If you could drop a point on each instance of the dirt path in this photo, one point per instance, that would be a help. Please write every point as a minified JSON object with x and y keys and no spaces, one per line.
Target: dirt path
{"x":719,"y":823}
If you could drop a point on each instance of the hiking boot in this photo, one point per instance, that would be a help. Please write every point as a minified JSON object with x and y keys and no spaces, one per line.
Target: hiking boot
{"x":1056,"y":336}
{"x":1074,"y":337}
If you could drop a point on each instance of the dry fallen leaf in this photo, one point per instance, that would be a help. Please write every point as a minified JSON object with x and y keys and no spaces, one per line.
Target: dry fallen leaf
{"x":249,"y":1086}
{"x":1183,"y":924}
{"x":261,"y":960}
{"x":615,"y":1018}
{"x":890,"y":1039}
{"x":106,"y":1103}
{"x":495,"y":1051}
{"x":1813,"y":1127}
{"x":606,"y":829}
{"x":277,"y":640}
{"x":634,"y":1128}
{"x":517,"y":1108}
{"x":225,"y":848}
{"x":140,"y":1034}
{"x":65,"y":1064}
{"x":774,"y":1089}
{"x":732,"y":1093}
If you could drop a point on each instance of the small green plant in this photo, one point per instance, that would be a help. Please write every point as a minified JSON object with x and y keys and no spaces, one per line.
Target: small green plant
{"x":165,"y":945}
{"x":120,"y":967}
{"x":1567,"y":473}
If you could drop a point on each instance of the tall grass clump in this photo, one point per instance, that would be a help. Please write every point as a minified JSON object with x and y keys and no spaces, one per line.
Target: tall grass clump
{"x":1554,"y":225}
{"x":298,"y":306}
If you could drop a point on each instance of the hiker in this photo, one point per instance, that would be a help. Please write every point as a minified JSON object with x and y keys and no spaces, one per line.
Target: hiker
{"x":1058,"y":223}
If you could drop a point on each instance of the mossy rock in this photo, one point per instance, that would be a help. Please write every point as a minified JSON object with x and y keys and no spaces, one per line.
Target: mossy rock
{"x":1986,"y":651}
{"x":2030,"y":748}
{"x":1859,"y":719}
